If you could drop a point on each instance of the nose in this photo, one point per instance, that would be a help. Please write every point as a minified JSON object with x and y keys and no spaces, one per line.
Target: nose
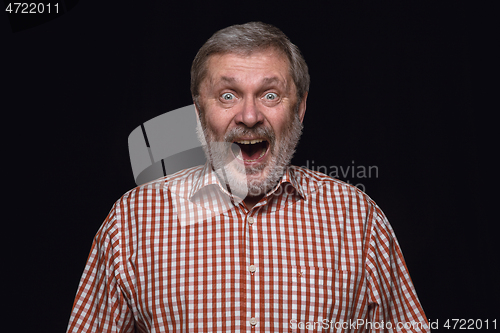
{"x":249,"y":115}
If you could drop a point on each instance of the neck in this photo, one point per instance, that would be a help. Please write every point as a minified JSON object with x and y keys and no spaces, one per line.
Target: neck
{"x":250,"y":202}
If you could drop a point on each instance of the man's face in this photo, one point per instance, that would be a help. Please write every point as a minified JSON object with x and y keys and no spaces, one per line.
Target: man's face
{"x":250,"y":101}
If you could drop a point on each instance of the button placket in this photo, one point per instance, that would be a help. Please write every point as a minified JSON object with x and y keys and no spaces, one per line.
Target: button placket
{"x":252,"y":268}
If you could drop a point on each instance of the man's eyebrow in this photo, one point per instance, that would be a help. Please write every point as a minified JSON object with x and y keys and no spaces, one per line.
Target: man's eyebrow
{"x":226,"y":79}
{"x":270,"y":80}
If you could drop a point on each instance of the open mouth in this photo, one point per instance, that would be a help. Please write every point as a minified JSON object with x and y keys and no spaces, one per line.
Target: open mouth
{"x":251,"y":150}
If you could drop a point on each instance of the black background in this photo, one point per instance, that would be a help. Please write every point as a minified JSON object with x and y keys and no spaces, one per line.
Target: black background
{"x":390,"y":87}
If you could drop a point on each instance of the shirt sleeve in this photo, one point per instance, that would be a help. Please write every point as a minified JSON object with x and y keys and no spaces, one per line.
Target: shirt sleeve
{"x":394,"y":305}
{"x":100,"y":304}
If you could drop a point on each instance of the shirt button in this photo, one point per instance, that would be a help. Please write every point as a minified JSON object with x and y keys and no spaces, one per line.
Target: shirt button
{"x":252,"y":268}
{"x":250,"y":220}
{"x":253,"y":321}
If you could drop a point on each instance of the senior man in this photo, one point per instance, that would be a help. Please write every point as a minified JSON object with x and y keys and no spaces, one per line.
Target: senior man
{"x":246,"y":242}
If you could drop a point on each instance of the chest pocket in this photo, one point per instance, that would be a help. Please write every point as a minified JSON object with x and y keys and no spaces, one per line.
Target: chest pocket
{"x":322,"y":296}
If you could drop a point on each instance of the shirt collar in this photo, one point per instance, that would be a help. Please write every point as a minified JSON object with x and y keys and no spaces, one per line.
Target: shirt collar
{"x":289,"y":182}
{"x":208,"y":177}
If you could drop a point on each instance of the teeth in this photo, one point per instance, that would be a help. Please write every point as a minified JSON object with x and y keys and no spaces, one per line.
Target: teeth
{"x":249,"y":142}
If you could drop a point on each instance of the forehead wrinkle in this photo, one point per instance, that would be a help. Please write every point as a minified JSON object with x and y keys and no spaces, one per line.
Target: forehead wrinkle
{"x":214,"y":79}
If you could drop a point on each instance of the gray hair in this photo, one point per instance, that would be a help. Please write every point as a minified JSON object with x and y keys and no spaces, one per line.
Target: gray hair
{"x":245,"y":39}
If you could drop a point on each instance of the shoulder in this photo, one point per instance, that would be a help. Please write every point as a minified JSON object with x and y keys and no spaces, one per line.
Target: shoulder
{"x":159,"y":187}
{"x":317,"y":182}
{"x":336,"y":194}
{"x":140,"y":201}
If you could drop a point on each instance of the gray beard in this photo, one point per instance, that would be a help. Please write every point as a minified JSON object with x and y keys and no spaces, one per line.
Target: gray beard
{"x":240,"y":179}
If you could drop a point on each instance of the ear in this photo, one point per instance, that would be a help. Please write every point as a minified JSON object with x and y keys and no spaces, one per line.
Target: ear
{"x":196,"y":107}
{"x":302,"y":107}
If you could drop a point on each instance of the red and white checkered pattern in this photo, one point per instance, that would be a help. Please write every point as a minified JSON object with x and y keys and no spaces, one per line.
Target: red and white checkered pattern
{"x":176,"y":255}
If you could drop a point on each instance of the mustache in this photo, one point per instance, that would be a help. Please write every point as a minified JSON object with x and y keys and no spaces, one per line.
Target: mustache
{"x":260,"y":131}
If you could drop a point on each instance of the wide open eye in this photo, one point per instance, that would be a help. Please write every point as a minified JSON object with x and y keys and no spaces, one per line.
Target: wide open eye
{"x":271,"y":96}
{"x":228,"y":97}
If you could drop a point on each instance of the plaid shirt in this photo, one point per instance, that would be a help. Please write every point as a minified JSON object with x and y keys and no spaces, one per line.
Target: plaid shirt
{"x":180,"y":254}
